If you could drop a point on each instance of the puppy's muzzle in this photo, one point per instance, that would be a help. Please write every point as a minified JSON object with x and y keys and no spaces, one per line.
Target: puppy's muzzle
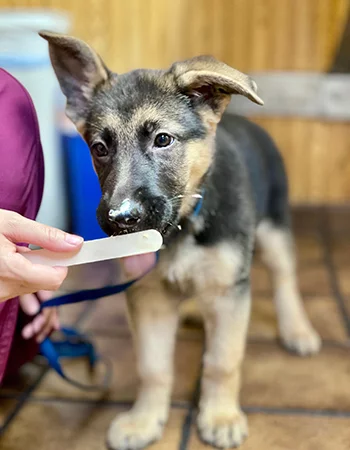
{"x":126,"y":215}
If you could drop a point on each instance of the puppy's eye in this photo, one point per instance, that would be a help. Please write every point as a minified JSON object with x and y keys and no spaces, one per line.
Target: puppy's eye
{"x":99,"y":150}
{"x":163,"y":140}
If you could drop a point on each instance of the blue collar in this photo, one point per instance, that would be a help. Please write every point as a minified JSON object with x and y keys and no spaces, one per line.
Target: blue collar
{"x":199,"y":204}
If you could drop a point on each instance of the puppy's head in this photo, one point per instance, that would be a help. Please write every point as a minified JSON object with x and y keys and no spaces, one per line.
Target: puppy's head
{"x":151,"y":133}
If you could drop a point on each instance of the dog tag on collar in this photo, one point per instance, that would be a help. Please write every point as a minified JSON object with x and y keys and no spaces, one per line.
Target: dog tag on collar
{"x":101,"y":249}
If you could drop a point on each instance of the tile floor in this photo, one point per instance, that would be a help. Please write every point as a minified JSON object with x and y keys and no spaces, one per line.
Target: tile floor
{"x":292,"y":403}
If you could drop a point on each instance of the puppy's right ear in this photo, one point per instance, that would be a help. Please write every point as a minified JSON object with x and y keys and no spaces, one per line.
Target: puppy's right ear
{"x":79,"y":71}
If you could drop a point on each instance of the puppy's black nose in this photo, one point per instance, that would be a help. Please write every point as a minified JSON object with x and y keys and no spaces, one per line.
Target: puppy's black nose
{"x":127,"y":215}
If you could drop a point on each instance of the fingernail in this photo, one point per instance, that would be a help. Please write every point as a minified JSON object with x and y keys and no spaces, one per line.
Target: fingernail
{"x":27,"y":332}
{"x":38,"y":323}
{"x":72,"y":239}
{"x":36,"y":309}
{"x":32,"y":308}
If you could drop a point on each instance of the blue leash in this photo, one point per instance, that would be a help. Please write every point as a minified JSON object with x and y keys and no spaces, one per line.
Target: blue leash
{"x":75,"y":344}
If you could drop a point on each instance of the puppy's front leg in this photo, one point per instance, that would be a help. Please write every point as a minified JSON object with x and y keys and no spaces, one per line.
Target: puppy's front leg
{"x":153,"y":314}
{"x":221,"y":422}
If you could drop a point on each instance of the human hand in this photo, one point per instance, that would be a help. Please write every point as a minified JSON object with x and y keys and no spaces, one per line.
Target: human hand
{"x":18,"y":276}
{"x":43,"y":323}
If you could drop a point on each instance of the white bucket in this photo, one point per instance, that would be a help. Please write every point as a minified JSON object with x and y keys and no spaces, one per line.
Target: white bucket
{"x":25,"y":55}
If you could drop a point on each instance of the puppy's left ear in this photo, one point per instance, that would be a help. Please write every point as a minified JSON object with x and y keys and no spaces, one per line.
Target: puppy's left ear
{"x":212,"y":82}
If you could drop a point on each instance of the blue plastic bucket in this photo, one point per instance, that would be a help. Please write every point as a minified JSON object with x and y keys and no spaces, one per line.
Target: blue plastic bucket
{"x":84,"y":191}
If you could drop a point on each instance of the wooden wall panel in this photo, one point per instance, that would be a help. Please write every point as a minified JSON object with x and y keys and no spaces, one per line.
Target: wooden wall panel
{"x":251,"y":35}
{"x":317,"y":158}
{"x":248,"y":34}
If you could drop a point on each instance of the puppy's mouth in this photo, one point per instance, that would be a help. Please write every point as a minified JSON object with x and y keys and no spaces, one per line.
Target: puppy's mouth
{"x":166,"y":231}
{"x":171,"y":227}
{"x":167,"y":228}
{"x":161,"y":214}
{"x":164,"y":221}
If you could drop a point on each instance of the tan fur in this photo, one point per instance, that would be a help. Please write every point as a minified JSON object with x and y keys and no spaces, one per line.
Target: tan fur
{"x":211,"y":273}
{"x":100,"y":73}
{"x":153,"y":314}
{"x":112,"y":121}
{"x":151,"y":113}
{"x":189,"y":311}
{"x":199,"y":155}
{"x":220,"y":420}
{"x":211,"y":118}
{"x":196,"y":269}
{"x":154,"y":310}
{"x":201,"y":70}
{"x":296,"y":331}
{"x":80,"y":126}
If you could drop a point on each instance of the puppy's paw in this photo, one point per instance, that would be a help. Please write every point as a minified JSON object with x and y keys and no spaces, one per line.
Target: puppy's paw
{"x":223,"y":429}
{"x":303,"y":341}
{"x":134,"y":431}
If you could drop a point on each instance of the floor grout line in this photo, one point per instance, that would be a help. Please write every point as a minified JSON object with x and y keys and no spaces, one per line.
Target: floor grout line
{"x":189,"y":419}
{"x":295,"y":411}
{"x":273,"y":341}
{"x":97,"y":401}
{"x":266,"y":294}
{"x":186,"y":429}
{"x":326,"y":343}
{"x":191,"y":407}
{"x":333,"y":276}
{"x":22,"y":399}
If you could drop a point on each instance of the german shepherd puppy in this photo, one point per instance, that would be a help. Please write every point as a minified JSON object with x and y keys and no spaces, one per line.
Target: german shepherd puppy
{"x":157,"y":146}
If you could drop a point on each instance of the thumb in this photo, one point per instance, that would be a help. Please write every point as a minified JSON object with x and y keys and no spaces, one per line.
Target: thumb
{"x":19,"y":229}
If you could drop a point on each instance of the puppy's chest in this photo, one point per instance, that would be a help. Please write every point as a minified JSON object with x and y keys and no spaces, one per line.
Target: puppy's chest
{"x":191,"y":268}
{"x":179,"y":265}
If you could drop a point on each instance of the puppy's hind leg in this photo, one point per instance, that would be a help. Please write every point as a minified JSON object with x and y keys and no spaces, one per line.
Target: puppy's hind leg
{"x":296,"y":331}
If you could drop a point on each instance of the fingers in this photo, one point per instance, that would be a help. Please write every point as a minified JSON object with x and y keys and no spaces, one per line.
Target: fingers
{"x":35,"y":276}
{"x":45,"y":322}
{"x":44,"y":295}
{"x":29,"y":304}
{"x":19,"y":276}
{"x":19,"y":229}
{"x":50,"y":324}
{"x":34,"y":327}
{"x":136,"y":266}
